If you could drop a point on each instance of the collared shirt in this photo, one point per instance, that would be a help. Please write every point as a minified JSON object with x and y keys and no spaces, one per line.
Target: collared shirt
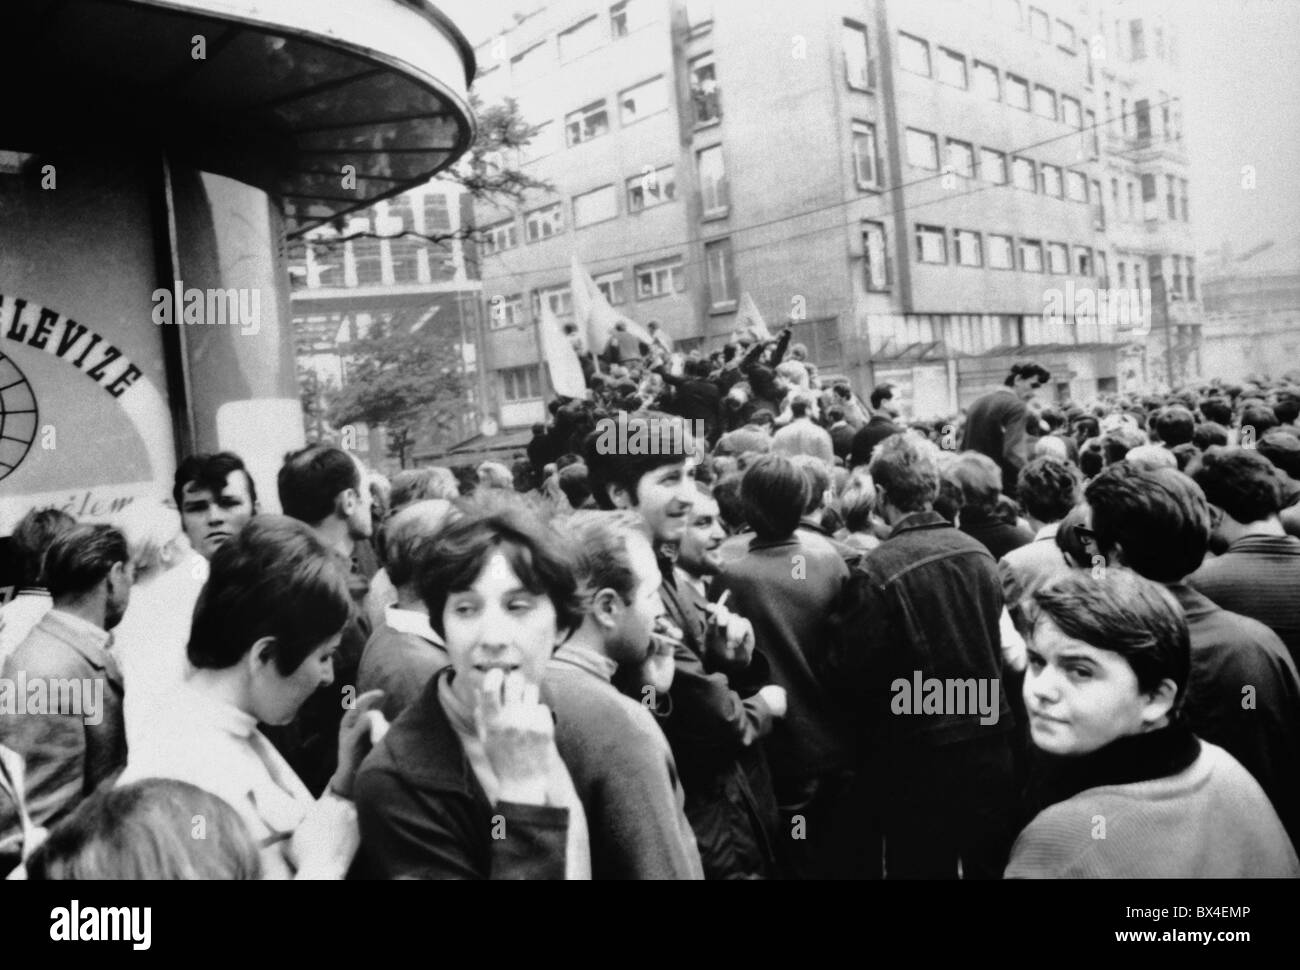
{"x":80,"y":632}
{"x":201,"y":739}
{"x":20,"y":614}
{"x":412,"y":622}
{"x":584,"y":658}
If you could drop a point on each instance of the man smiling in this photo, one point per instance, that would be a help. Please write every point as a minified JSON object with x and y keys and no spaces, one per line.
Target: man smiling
{"x":1127,"y":790}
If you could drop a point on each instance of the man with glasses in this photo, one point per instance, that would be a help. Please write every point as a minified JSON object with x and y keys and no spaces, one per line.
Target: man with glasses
{"x":997,"y":423}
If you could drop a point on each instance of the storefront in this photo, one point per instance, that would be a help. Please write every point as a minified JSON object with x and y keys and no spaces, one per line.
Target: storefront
{"x":153,"y":166}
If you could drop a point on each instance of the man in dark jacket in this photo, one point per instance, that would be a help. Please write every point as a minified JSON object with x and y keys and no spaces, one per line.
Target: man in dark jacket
{"x":787,"y":588}
{"x":996,"y":424}
{"x":715,"y":733}
{"x":1244,"y":692}
{"x":876,"y":430}
{"x":921,"y":617}
{"x":695,"y":398}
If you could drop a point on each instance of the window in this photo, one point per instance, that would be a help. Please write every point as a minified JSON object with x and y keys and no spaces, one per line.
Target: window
{"x":1058,"y":258}
{"x":507,"y":311}
{"x":648,"y":98}
{"x":611,"y":285}
{"x":1051,"y":181}
{"x":651,"y":188}
{"x":1000,"y":252}
{"x":986,"y":81}
{"x":622,"y":18}
{"x":1114,"y":195}
{"x":530,"y":65}
{"x":1082,"y":261}
{"x":369,"y":258}
{"x":1122,"y":268}
{"x":1176,"y":280}
{"x":595,"y":206}
{"x":541,"y":144}
{"x":1065,"y":37}
{"x":1023,"y":175}
{"x":544,"y":223}
{"x":659,"y":278}
{"x":922,"y":149}
{"x":1103,"y":272}
{"x":558,"y":298}
{"x":859,"y":71}
{"x":952,"y":68}
{"x":966,"y":245}
{"x":961,"y":158}
{"x":500,"y":236}
{"x":914,"y":54}
{"x":1044,"y":102}
{"x":721,"y":272}
{"x":1132,"y":207}
{"x":1071,"y":111}
{"x":876,"y":257}
{"x":864,"y":154}
{"x":1148,"y":197}
{"x":586,"y":123}
{"x":993,"y":166}
{"x":580,"y":39}
{"x":1031,"y":255}
{"x":931,"y":244}
{"x":1040,"y":26}
{"x":1137,"y":43}
{"x":1183,"y":199}
{"x":1076,"y":187}
{"x":1094,"y":134}
{"x":1017,"y":92}
{"x":1171,"y":196}
{"x":521,"y":383}
{"x":714,"y":191}
{"x":705,"y":93}
{"x":1099,"y":205}
{"x":1191,"y":277}
{"x":1142,"y":119}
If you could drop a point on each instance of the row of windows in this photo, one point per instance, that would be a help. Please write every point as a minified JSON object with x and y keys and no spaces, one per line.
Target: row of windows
{"x":971,"y":248}
{"x":962,"y":158}
{"x":1175,"y":209}
{"x":652,"y":188}
{"x":950,"y":67}
{"x":573,"y":42}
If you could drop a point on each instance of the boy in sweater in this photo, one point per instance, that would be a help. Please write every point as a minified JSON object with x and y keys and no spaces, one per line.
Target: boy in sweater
{"x":617,"y":755}
{"x":1126,"y":789}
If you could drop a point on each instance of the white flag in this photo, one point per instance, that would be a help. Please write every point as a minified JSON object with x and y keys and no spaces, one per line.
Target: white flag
{"x":561,"y":359}
{"x":750,"y":319}
{"x":593,"y":314}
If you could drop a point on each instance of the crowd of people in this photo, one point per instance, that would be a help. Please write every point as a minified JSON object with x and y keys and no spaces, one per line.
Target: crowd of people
{"x":769,"y":630}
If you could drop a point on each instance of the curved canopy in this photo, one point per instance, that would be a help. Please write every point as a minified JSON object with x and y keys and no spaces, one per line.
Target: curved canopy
{"x":329,"y":106}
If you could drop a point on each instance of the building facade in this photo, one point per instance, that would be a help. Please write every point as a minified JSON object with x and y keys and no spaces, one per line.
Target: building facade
{"x":1252,"y":309}
{"x":927,"y":191}
{"x":344,"y":283}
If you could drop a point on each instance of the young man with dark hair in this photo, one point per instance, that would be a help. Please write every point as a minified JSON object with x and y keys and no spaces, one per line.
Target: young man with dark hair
{"x":1173,"y":425}
{"x":1257,"y":573}
{"x":1207,"y":434}
{"x":979,"y":481}
{"x":1244,"y":692}
{"x":1282,"y":449}
{"x":619,"y":758}
{"x":1217,"y":410}
{"x":1048,"y":490}
{"x":265,"y":631}
{"x":997,"y":423}
{"x":842,"y":433}
{"x":31,"y":537}
{"x":77,"y":740}
{"x":927,"y":603}
{"x":216,"y":497}
{"x":1257,"y":420}
{"x":325,"y":487}
{"x":787,"y":588}
{"x":1108,"y":667}
{"x":884,"y":414}
{"x":715,"y":733}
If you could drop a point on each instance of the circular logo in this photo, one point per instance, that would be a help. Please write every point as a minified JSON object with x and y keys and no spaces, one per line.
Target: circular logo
{"x":17,"y":416}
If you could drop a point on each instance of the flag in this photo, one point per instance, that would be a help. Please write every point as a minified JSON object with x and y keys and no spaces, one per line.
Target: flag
{"x":750,"y":319}
{"x":593,"y":314}
{"x":561,"y":359}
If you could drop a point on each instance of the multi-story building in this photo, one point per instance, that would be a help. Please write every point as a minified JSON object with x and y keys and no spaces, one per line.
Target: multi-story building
{"x":911,"y":184}
{"x":344,"y":285}
{"x":1252,"y":309}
